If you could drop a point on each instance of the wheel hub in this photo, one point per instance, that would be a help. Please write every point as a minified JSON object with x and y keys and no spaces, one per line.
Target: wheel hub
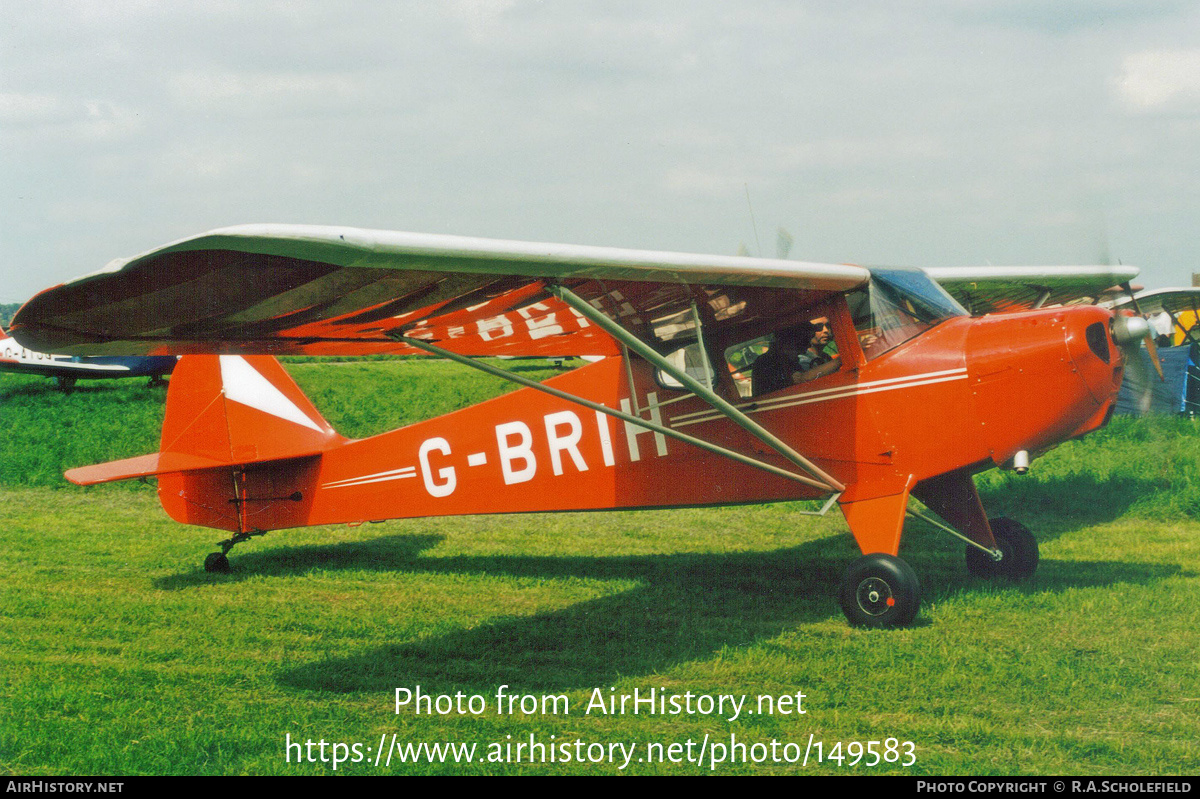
{"x":875,"y":596}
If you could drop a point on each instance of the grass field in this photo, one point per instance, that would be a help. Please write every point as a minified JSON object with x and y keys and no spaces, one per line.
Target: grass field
{"x":122,"y":656}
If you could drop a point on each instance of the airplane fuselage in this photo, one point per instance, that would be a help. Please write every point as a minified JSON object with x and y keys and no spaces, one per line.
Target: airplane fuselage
{"x":963,"y":396}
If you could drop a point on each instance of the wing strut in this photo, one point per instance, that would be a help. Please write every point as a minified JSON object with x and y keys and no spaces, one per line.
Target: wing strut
{"x":1187,"y":333}
{"x":596,"y":406}
{"x":634,"y":343}
{"x":709,"y":372}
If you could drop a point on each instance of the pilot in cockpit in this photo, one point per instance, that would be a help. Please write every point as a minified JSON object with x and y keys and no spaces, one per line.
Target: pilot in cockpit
{"x":796,"y":355}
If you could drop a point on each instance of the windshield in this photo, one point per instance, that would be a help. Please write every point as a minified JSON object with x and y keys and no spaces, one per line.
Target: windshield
{"x":897,"y":305}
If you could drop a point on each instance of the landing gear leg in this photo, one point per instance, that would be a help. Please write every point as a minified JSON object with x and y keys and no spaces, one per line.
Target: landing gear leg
{"x":218,"y":562}
{"x":879,"y":589}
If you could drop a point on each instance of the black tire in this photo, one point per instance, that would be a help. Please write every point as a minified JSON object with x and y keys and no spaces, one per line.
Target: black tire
{"x":216,"y":562}
{"x":880,"y":591}
{"x":1016,"y":544}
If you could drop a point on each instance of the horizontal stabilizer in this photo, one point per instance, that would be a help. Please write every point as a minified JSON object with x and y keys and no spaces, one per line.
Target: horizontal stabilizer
{"x":142,"y":466}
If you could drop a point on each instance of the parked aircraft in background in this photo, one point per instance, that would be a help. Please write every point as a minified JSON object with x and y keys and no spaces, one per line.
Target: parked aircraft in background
{"x":66,"y":369}
{"x":1178,"y":310}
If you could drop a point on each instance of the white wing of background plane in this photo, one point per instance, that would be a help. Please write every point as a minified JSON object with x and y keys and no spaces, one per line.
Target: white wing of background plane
{"x":1181,"y":306}
{"x":296,"y":289}
{"x":989,"y":289}
{"x":1172,"y":300}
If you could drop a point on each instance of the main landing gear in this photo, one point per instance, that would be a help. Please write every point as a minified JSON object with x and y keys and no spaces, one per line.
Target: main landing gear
{"x":218,"y":562}
{"x":1018,"y":553}
{"x":882,"y":590}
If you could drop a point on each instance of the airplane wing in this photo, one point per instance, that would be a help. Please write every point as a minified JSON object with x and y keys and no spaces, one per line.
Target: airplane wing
{"x":1181,"y":305}
{"x":991,"y":289}
{"x":1174,"y":301}
{"x":296,"y":289}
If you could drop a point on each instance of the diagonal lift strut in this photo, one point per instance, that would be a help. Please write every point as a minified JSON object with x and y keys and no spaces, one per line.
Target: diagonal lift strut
{"x":596,"y":406}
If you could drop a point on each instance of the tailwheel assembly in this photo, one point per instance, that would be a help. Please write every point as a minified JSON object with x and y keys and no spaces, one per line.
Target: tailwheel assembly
{"x":1018,"y":551}
{"x":880,"y":590}
{"x":218,"y":562}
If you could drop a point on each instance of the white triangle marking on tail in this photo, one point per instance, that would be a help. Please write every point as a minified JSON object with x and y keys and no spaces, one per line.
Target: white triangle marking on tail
{"x":245,"y":385}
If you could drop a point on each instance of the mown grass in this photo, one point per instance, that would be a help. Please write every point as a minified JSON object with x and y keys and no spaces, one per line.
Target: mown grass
{"x":121,"y":655}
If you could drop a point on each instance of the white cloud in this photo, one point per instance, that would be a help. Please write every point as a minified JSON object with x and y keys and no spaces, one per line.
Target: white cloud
{"x":261,"y":90}
{"x":1155,"y":79}
{"x":23,"y":109}
{"x":105,"y":120}
{"x":200,"y":163}
{"x":698,"y":181}
{"x":482,"y":17}
{"x":855,"y":151}
{"x":872,"y":133}
{"x":44,"y":117}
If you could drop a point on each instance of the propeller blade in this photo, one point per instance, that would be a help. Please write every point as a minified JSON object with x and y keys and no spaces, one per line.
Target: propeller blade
{"x":1151,"y":347}
{"x":783,"y":243}
{"x":1152,"y":351}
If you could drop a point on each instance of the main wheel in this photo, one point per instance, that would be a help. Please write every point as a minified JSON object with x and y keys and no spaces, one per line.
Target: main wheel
{"x":216,"y":562}
{"x":1018,"y":548}
{"x":880,"y":591}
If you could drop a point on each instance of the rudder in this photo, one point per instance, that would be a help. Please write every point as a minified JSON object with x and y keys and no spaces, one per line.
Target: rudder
{"x":248,"y":413}
{"x":241,"y":446}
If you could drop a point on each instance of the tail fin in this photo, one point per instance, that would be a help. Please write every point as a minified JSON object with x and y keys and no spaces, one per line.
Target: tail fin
{"x":225,"y":410}
{"x":241,"y":446}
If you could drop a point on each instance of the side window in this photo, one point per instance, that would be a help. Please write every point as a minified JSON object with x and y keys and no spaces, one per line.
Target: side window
{"x":797,"y":353}
{"x":690,"y":361}
{"x":740,"y":359}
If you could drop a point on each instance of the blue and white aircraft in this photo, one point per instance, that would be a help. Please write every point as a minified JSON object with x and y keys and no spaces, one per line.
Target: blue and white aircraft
{"x":66,"y":369}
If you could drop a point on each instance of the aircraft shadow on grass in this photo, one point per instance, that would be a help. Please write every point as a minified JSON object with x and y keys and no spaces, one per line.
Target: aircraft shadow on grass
{"x":1066,"y":504}
{"x":687,"y":606}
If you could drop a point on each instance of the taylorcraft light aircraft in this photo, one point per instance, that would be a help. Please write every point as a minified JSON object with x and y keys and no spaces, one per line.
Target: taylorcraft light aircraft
{"x":66,"y":369}
{"x":921,"y":396}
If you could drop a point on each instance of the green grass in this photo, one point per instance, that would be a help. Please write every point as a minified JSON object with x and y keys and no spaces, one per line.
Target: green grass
{"x":121,"y":655}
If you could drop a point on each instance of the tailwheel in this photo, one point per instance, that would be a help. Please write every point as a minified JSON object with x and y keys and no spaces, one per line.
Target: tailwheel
{"x":1018,"y":553}
{"x":880,"y":591}
{"x":217,"y":561}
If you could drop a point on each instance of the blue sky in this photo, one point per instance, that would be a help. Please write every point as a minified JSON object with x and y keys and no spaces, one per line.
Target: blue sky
{"x":929,"y":133}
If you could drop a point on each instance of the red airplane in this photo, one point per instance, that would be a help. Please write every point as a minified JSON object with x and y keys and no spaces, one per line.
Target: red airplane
{"x":919,"y":397}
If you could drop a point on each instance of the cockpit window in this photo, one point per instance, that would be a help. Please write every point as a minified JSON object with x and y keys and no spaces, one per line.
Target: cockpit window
{"x":800,"y":352}
{"x":897,"y":305}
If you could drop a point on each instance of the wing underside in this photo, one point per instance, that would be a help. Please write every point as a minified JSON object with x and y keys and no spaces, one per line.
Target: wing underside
{"x":993,"y":289}
{"x":284,"y":290}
